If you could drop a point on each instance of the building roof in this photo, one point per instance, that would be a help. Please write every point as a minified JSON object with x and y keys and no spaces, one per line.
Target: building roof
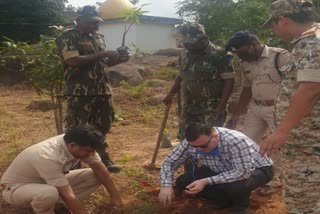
{"x":149,"y":19}
{"x":111,"y":9}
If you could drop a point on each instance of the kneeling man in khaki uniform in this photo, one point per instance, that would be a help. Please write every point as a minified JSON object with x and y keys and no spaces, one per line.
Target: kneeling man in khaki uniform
{"x":40,"y":176}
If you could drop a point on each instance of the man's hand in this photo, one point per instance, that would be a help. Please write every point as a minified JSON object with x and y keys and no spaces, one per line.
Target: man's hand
{"x":124,"y":54}
{"x":196,"y":186}
{"x":232,"y":123}
{"x":272,"y":143}
{"x":166,"y":195}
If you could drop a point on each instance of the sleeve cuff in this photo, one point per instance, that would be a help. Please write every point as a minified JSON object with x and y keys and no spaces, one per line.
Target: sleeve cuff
{"x":69,"y":54}
{"x":309,"y":75}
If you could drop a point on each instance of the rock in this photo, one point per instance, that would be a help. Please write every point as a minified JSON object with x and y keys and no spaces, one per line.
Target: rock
{"x":40,"y":105}
{"x":169,"y":52}
{"x":155,"y":100}
{"x":125,"y":72}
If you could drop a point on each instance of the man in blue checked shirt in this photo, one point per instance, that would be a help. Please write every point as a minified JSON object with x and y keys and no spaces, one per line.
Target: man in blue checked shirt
{"x":226,"y":168}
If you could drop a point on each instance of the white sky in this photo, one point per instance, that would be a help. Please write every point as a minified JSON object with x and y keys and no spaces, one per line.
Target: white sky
{"x":164,"y":8}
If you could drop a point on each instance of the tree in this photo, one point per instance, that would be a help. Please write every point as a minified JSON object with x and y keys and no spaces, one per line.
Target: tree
{"x":42,"y":67}
{"x":23,"y":20}
{"x":222,"y":18}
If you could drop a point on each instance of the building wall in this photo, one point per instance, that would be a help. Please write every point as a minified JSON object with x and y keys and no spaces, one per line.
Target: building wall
{"x":147,"y":37}
{"x":152,"y":36}
{"x":113,"y":34}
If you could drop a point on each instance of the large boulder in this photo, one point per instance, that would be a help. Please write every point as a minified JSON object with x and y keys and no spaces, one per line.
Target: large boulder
{"x":125,"y":72}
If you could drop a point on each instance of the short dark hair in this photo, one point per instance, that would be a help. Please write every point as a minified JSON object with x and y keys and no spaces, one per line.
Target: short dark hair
{"x":302,"y":17}
{"x":85,"y":135}
{"x":194,"y":130}
{"x":240,"y":39}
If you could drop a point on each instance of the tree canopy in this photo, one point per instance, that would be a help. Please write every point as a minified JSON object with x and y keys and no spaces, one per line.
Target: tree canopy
{"x":26,"y":20}
{"x":222,"y":18}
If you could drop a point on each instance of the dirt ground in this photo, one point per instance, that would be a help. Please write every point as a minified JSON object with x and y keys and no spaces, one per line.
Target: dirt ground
{"x":131,"y":144}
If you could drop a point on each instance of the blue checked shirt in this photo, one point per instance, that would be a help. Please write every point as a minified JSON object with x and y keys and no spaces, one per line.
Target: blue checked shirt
{"x":238,"y":157}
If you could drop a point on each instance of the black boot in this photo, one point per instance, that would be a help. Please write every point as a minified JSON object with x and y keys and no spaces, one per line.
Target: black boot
{"x":107,"y":161}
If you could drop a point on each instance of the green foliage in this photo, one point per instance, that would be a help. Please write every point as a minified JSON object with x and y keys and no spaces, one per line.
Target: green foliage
{"x":13,"y":55}
{"x":166,"y":73}
{"x":136,"y":92}
{"x":42,"y":67}
{"x":26,"y":20}
{"x":146,"y":208}
{"x":138,"y":53}
{"x":222,"y":18}
{"x":131,"y":17}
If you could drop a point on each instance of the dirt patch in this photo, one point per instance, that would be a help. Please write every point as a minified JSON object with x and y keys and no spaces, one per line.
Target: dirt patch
{"x":132,"y":140}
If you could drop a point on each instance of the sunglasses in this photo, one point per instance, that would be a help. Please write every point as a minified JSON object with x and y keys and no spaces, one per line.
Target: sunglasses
{"x":203,"y":146}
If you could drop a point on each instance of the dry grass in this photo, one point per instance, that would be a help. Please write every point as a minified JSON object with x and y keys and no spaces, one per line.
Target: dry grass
{"x":131,"y":141}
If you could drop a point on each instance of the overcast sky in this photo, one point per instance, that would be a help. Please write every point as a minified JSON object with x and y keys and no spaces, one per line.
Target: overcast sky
{"x":165,"y":8}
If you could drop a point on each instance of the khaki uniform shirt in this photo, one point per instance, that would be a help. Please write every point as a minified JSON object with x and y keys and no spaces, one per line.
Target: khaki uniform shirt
{"x":86,"y":80}
{"x":303,"y":66}
{"x":262,"y":74}
{"x":44,"y":163}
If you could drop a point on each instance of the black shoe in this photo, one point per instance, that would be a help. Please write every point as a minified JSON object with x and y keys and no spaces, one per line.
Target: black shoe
{"x":112,"y":167}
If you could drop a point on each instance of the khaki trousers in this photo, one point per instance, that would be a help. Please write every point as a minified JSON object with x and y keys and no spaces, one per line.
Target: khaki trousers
{"x":43,"y":197}
{"x":260,"y":120}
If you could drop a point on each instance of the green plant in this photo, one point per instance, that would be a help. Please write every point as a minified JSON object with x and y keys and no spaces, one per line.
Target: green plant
{"x":131,"y":17}
{"x":146,"y":208}
{"x":137,"y":92}
{"x":138,"y":53}
{"x":166,"y":73}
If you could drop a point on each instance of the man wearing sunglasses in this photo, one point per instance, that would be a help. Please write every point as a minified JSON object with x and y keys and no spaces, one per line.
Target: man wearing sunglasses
{"x":226,"y":168}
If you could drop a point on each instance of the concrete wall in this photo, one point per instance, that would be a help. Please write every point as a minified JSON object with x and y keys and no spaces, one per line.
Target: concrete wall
{"x":152,"y":37}
{"x":113,"y":34}
{"x":147,"y":37}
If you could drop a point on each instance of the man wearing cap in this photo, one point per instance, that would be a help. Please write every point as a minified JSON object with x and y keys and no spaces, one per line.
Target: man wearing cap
{"x":87,"y":85}
{"x":206,"y":79}
{"x":298,"y":105}
{"x":40,"y":176}
{"x":226,"y":168}
{"x":261,"y":77}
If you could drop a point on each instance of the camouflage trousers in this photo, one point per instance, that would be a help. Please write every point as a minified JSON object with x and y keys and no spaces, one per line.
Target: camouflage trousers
{"x":95,"y":110}
{"x":201,"y":112}
{"x":301,"y":172}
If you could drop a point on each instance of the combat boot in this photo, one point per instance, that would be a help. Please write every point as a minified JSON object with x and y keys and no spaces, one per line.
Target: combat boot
{"x":106,"y":160}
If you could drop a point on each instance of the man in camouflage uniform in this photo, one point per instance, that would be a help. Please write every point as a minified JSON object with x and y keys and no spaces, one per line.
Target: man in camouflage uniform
{"x":87,"y":85}
{"x":261,"y":77}
{"x":298,"y":105}
{"x":206,"y":79}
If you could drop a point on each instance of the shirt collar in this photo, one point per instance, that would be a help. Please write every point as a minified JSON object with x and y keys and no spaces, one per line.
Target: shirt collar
{"x":310,"y":32}
{"x":65,"y":149}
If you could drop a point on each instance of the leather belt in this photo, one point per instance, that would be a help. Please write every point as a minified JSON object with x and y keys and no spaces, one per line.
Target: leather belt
{"x":263,"y":102}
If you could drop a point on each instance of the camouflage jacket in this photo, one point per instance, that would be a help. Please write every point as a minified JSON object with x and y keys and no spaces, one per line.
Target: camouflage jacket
{"x":86,"y":80}
{"x":203,"y":73}
{"x":303,"y":66}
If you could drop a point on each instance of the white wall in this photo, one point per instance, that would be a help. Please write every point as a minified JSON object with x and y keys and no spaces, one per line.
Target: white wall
{"x":113,"y":34}
{"x":152,"y":37}
{"x":147,"y":37}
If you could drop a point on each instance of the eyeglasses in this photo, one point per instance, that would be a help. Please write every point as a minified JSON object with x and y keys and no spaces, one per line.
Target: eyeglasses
{"x":203,"y":146}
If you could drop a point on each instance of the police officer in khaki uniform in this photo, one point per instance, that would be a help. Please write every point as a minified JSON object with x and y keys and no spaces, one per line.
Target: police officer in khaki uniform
{"x":298,"y":105}
{"x":40,"y":176}
{"x":261,"y":79}
{"x":87,"y":86}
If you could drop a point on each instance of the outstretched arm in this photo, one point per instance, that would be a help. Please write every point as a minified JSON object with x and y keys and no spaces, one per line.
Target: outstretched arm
{"x":104,"y":177}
